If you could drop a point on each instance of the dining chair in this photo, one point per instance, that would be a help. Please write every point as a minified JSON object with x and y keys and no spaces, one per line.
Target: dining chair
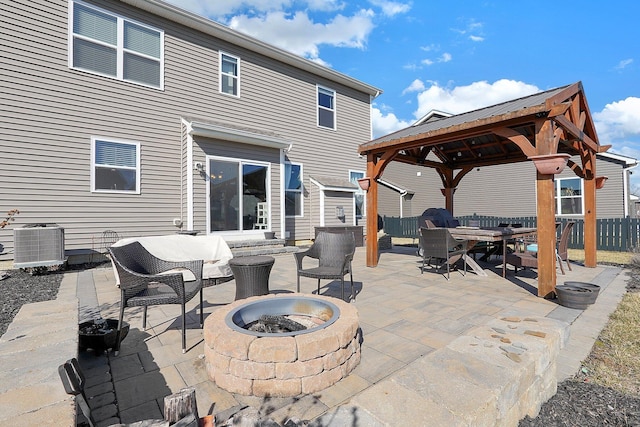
{"x":562,"y":252}
{"x":439,"y":244}
{"x":147,"y":280}
{"x":334,"y":253}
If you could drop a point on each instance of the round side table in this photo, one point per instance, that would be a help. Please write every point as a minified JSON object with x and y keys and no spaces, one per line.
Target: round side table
{"x":251,"y":274}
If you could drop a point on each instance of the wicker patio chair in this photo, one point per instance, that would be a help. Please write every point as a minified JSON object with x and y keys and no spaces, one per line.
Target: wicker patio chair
{"x":147,"y":280}
{"x":439,"y":244}
{"x":334,"y":252}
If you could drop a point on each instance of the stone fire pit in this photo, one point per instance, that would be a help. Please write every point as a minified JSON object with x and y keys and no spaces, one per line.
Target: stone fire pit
{"x":282,"y":364}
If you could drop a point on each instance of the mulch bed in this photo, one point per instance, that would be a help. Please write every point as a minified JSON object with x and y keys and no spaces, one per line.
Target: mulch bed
{"x":22,"y":288}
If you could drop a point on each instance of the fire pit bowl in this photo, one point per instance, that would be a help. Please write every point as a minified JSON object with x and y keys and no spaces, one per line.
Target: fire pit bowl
{"x":100,"y":335}
{"x":250,"y":312}
{"x":282,"y":364}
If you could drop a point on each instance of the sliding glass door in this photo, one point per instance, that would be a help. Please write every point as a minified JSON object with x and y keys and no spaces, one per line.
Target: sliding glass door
{"x":238,"y":195}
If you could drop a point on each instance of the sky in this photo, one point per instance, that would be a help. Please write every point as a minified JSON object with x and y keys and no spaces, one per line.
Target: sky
{"x":461,"y":55}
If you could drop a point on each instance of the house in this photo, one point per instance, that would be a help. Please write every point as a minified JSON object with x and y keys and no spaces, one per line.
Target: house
{"x":506,"y":190}
{"x":140,"y":117}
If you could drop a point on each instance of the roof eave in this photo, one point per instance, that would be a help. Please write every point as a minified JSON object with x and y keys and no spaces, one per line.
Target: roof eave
{"x":207,"y":26}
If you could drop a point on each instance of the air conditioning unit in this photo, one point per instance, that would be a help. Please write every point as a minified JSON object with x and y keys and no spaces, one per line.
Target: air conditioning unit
{"x":38,"y":245}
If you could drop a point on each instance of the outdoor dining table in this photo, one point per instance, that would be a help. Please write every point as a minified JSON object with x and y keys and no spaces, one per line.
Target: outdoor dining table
{"x":489,"y":234}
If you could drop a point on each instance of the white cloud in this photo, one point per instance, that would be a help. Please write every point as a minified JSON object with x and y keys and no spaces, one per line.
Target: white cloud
{"x":391,"y":8}
{"x":618,"y":121}
{"x":445,"y":57}
{"x":471,"y":97}
{"x":415,"y":86}
{"x":622,"y":64}
{"x":476,"y":38}
{"x":384,"y":124}
{"x":299,"y":34}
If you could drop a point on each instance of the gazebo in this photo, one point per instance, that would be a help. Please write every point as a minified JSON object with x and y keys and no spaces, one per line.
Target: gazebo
{"x":547,"y":128}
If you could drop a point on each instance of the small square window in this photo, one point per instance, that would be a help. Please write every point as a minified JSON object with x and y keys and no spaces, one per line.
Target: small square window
{"x":116,"y":166}
{"x":569,"y":200}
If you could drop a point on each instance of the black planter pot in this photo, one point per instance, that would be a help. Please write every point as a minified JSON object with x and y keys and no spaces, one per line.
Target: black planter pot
{"x":595,"y":289}
{"x":100,"y":336}
{"x":574,"y":296}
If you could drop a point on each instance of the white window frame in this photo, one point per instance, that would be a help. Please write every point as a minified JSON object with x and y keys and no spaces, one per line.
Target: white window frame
{"x":360,"y":191}
{"x":221,"y":73}
{"x":320,"y":107}
{"x":240,"y":162}
{"x":301,"y":190}
{"x":558,"y":197}
{"x":94,"y":139}
{"x":120,"y":50}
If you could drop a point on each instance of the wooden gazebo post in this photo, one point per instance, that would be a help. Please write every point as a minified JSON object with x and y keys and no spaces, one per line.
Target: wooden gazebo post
{"x":546,"y":214}
{"x":590,"y":234}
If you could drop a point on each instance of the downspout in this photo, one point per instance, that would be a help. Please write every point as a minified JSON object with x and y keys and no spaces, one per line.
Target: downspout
{"x":283,"y":220}
{"x":189,"y":175}
{"x":402,"y":194}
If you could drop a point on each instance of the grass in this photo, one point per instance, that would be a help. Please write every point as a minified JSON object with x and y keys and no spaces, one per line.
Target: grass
{"x":615,"y":358}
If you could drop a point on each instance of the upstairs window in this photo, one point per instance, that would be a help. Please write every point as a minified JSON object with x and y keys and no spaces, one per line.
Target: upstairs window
{"x":116,"y":166}
{"x":110,"y":45}
{"x":569,"y":196}
{"x":293,"y":189}
{"x":229,"y":74}
{"x":326,"y":108}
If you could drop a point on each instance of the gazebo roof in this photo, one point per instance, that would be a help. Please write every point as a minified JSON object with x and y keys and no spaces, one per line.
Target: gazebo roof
{"x":493,"y":135}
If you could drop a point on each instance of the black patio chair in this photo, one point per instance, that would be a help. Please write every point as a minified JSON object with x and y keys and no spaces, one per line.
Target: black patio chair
{"x":439,"y":244}
{"x":334,"y":252}
{"x":147,"y":280}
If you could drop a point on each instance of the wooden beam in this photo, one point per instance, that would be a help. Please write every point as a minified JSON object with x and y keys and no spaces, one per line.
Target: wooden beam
{"x":563,"y":95}
{"x":559,"y":109}
{"x":576,"y":132}
{"x":517,"y":138}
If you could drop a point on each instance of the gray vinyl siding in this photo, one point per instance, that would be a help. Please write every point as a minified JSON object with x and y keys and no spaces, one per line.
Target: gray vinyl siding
{"x":332,"y":200}
{"x":500,"y":190}
{"x":50,"y":112}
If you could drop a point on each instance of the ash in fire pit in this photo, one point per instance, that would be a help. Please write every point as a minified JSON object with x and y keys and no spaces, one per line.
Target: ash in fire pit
{"x":275,"y":324}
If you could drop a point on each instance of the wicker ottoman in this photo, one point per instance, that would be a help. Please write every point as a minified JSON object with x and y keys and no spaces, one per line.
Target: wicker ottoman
{"x":252,"y":275}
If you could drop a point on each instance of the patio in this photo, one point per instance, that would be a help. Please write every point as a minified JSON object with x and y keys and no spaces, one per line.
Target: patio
{"x":409,"y":321}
